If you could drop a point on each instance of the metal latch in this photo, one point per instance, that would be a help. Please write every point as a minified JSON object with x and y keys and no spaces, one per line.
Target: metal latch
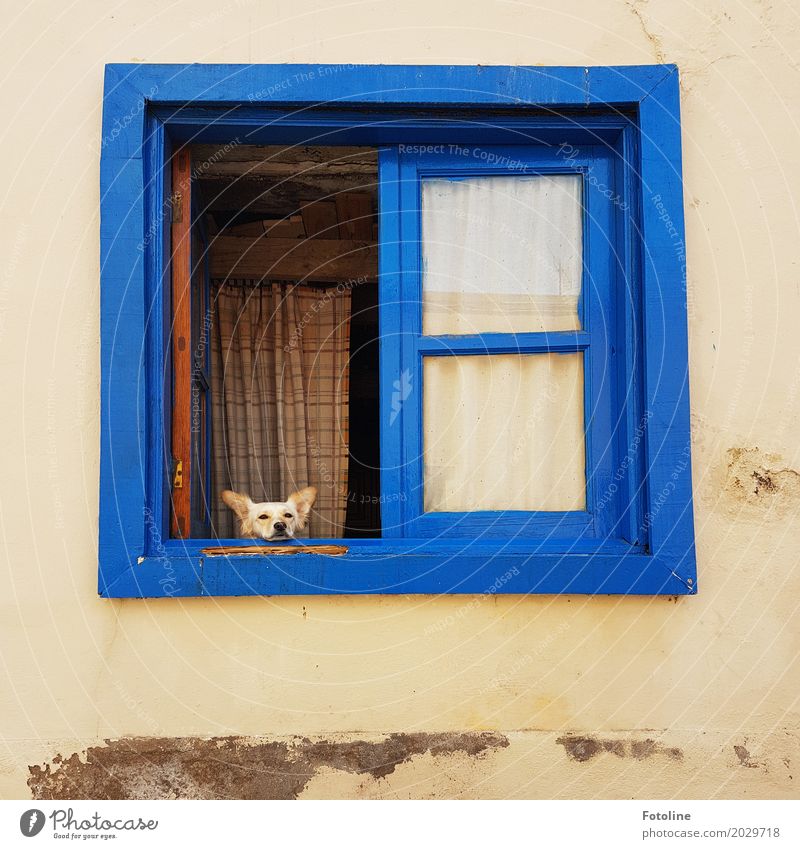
{"x":176,"y":206}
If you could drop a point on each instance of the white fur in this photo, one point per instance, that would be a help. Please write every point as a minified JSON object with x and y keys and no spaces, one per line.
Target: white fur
{"x":260,"y":520}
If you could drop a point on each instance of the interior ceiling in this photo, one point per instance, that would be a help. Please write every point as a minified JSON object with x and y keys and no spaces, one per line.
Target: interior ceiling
{"x":250,"y":182}
{"x":301,"y":213}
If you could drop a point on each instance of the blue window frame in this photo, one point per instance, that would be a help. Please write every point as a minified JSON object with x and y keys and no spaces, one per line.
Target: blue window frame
{"x":617,"y":128}
{"x":598,"y":312}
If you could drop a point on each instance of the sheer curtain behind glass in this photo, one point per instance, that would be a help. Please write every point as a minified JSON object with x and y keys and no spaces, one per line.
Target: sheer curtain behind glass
{"x":280,"y":398}
{"x":503,"y":254}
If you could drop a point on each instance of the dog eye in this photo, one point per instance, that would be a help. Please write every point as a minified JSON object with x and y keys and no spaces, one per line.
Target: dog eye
{"x":263,"y":516}
{"x":287,"y":515}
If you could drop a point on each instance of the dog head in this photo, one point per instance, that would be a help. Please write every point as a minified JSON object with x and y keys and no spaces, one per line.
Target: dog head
{"x":272,"y":520}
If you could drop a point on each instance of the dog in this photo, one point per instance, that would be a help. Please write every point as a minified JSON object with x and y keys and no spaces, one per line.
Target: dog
{"x":272,"y":520}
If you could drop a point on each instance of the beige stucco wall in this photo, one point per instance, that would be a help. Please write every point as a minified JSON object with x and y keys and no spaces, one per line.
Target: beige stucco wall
{"x":699,"y":676}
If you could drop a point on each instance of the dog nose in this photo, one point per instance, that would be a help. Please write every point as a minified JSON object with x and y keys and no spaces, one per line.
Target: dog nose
{"x":280,"y":526}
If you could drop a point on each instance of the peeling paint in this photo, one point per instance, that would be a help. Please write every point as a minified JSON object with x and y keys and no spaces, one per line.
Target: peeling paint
{"x":234,"y":767}
{"x":760,"y":479}
{"x":583,"y":748}
{"x":745,"y":758}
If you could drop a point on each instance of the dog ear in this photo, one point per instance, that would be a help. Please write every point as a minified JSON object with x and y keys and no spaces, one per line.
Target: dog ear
{"x":302,"y":501}
{"x":240,"y":504}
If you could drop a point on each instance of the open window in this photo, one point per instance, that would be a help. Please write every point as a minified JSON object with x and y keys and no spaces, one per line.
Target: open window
{"x":279,"y":296}
{"x":451,"y":300}
{"x":499,"y":349}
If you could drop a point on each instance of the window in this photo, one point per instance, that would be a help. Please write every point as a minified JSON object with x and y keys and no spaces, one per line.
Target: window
{"x":280,"y":302}
{"x":507,"y":320}
{"x":515,"y":365}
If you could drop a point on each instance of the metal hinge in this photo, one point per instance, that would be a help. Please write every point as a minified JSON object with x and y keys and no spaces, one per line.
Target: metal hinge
{"x":176,"y":205}
{"x":177,"y":474}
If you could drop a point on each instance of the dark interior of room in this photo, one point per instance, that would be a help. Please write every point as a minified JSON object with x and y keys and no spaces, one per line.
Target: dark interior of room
{"x":255,"y":199}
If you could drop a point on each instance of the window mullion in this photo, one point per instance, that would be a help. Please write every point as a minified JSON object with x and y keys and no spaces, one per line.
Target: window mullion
{"x":504,"y":343}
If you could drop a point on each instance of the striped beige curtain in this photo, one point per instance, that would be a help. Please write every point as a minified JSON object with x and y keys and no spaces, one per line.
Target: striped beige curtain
{"x":280,"y":393}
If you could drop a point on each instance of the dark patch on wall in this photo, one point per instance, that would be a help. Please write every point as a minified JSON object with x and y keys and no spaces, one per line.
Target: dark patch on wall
{"x":746,"y":759}
{"x":763,"y":481}
{"x":760,"y":478}
{"x":744,"y":756}
{"x":583,"y":748}
{"x":233,"y":767}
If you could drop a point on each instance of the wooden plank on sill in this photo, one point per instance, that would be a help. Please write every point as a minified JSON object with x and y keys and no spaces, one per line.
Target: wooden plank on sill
{"x":320,"y":220}
{"x":354,"y":210}
{"x":293,"y":259}
{"x":250,"y":550}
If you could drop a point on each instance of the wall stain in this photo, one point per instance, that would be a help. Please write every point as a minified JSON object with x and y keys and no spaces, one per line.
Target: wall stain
{"x":746,"y":759}
{"x":744,"y":756}
{"x":759,"y":479}
{"x":234,"y":767}
{"x":583,"y":748}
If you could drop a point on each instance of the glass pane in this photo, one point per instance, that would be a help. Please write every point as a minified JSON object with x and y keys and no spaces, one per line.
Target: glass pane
{"x":501,"y":254}
{"x":504,"y":432}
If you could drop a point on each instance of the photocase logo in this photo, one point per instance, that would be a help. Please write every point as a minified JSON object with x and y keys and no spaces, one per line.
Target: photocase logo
{"x":401,"y":390}
{"x":32,"y":822}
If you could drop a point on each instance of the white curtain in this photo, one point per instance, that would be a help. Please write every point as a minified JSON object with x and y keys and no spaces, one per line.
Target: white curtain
{"x":280,"y":394}
{"x":504,"y":432}
{"x":503,"y":254}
